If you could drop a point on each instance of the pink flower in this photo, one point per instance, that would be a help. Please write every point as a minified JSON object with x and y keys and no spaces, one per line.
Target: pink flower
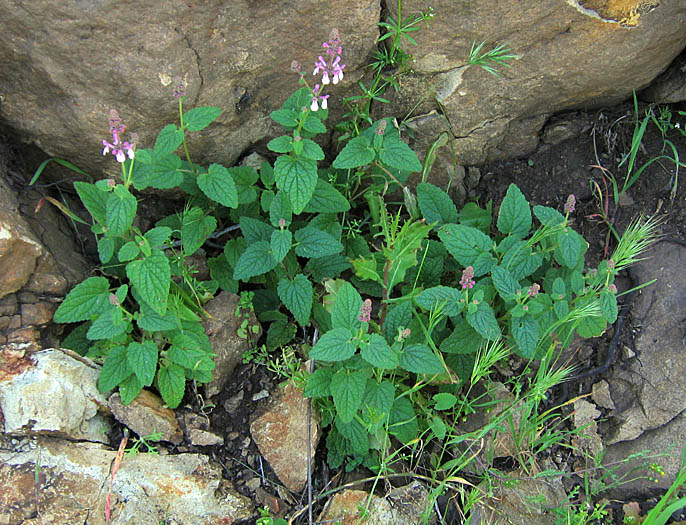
{"x":365,"y":311}
{"x":331,"y":67}
{"x":317,"y":99}
{"x":534,"y":289}
{"x":467,"y":280}
{"x":179,"y":87}
{"x":118,"y":148}
{"x":570,"y":204}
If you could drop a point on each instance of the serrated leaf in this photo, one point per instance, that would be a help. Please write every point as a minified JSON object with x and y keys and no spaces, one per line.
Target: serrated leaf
{"x":151,"y":278}
{"x":356,"y":435}
{"x":377,"y":353}
{"x":168,"y":139}
{"x":280,"y":243}
{"x":142,"y":358}
{"x":608,"y":305}
{"x":105,"y":249}
{"x":327,"y":199}
{"x":464,"y":243}
{"x":157,"y":170}
{"x":94,"y":199}
{"x":282,"y":144}
{"x":463,"y":340}
{"x":444,"y":401}
{"x":129,"y":389}
{"x":403,"y":421}
{"x":85,"y":300}
{"x":441,"y":297}
{"x":218,"y":185}
{"x":280,"y":208}
{"x":279,"y":334}
{"x":158,"y":236}
{"x":120,"y":210}
{"x":245,"y":177}
{"x":255,"y":230}
{"x":561,"y":309}
{"x":255,"y":260}
{"x":435,"y":204}
{"x":286,"y":117}
{"x":328,"y":267}
{"x":196,"y":229}
{"x":334,"y":345}
{"x":296,"y":295}
{"x":115,"y":369}
{"x":357,"y":152}
{"x":514,"y":217}
{"x":420,"y":359}
{"x":461,"y":364}
{"x":108,"y":325}
{"x":398,"y":317}
{"x":311,"y":150}
{"x":472,"y":215}
{"x":171,"y":382}
{"x":199,"y":118}
{"x":76,"y":340}
{"x":591,"y":326}
{"x":526,"y":332}
{"x":396,"y":154}
{"x":297,"y":177}
{"x":520,"y":261}
{"x":484,"y":322}
{"x":403,"y":256}
{"x":548,"y":216}
{"x":503,"y":281}
{"x":318,"y":383}
{"x":313,"y":242}
{"x":151,"y":321}
{"x":571,"y":247}
{"x":347,"y":388}
{"x":378,"y":398}
{"x":346,"y":309}
{"x":313,"y":124}
{"x":128,"y":251}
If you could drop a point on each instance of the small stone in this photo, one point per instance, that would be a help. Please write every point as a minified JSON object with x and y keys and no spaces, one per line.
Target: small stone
{"x":232,"y":404}
{"x":253,"y":484}
{"x":37,"y":314}
{"x":203,"y":438}
{"x":260,"y":395}
{"x":601,"y":395}
{"x":233,"y":435}
{"x":145,"y":415}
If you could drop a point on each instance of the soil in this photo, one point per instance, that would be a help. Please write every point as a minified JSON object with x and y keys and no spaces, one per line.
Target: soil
{"x":545,"y":177}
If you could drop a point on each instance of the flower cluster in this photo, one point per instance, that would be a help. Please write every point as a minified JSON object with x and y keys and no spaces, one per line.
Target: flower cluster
{"x":365,"y":311}
{"x":179,"y":87}
{"x":331,"y":67}
{"x":118,"y":148}
{"x":570,"y":204}
{"x":317,"y":99}
{"x":534,"y":289}
{"x":467,"y":280}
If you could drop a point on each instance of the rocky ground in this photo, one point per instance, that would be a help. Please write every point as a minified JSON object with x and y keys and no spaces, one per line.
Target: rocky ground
{"x":241,"y":443}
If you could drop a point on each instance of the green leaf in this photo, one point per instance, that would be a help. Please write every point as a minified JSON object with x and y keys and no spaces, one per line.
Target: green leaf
{"x":472,"y":215}
{"x":287,"y":118}
{"x":199,"y":118}
{"x":282,"y":144}
{"x":561,"y":309}
{"x":142,"y":358}
{"x":444,"y":401}
{"x":129,"y":389}
{"x":255,"y":230}
{"x":520,"y":261}
{"x":327,"y":267}
{"x":297,"y":177}
{"x":94,"y":199}
{"x":503,"y":281}
{"x":157,"y":237}
{"x":120,"y":210}
{"x":347,"y":388}
{"x":403,"y":421}
{"x":171,"y":382}
{"x":279,"y":334}
{"x":168,"y":139}
{"x":398,"y":317}
{"x":313,"y":124}
{"x":108,"y":325}
{"x":296,"y":295}
{"x":484,"y":322}
{"x":438,"y":427}
{"x":218,"y":185}
{"x":548,"y":216}
{"x":115,"y":369}
{"x":128,"y":251}
{"x":378,"y":398}
{"x":396,"y":154}
{"x":76,"y":340}
{"x":280,"y":208}
{"x":526,"y":332}
{"x":591,"y":326}
{"x":463,"y":340}
{"x":313,"y":242}
{"x":357,"y":152}
{"x":443,"y":297}
{"x":318,"y":383}
{"x":151,"y":278}
{"x":245,"y":177}
{"x":105,"y":249}
{"x":420,"y":359}
{"x":464,"y":243}
{"x":158,"y":170}
{"x":377,"y":353}
{"x":151,"y":321}
{"x":280,"y":243}
{"x":311,"y":150}
{"x":196,"y":229}
{"x":571,"y":246}
{"x":514,"y":217}
{"x":404,"y":253}
{"x":85,"y":300}
{"x":346,"y":309}
{"x":435,"y":204}
{"x":608,"y":305}
{"x":255,"y":260}
{"x":327,"y":199}
{"x":334,"y":345}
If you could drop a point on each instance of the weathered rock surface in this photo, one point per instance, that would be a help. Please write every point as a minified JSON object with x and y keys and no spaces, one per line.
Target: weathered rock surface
{"x":148,"y":489}
{"x":55,"y":393}
{"x":280,"y":432}
{"x":147,"y":414}
{"x":403,"y":506}
{"x":71,"y":63}
{"x":650,"y":391}
{"x":222,"y":329}
{"x":670,"y":86}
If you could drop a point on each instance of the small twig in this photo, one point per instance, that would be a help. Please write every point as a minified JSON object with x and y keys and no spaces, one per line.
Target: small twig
{"x":115,"y":468}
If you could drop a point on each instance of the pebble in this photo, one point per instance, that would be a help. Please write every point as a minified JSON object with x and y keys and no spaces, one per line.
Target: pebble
{"x":260,"y":395}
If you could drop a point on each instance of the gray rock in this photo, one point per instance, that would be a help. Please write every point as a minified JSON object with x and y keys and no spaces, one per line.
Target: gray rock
{"x":147,"y":488}
{"x":57,"y":395}
{"x":670,"y":86}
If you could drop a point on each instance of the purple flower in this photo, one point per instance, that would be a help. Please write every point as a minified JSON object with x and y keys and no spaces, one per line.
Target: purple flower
{"x":118,"y":148}
{"x":317,"y":99}
{"x":365,"y":311}
{"x":534,"y":289}
{"x":467,"y":280}
{"x":179,"y":87}
{"x":570,"y":204}
{"x":330,"y":67}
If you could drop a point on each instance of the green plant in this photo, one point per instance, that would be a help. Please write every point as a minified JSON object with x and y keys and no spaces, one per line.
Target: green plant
{"x":144,"y":441}
{"x":266,"y":518}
